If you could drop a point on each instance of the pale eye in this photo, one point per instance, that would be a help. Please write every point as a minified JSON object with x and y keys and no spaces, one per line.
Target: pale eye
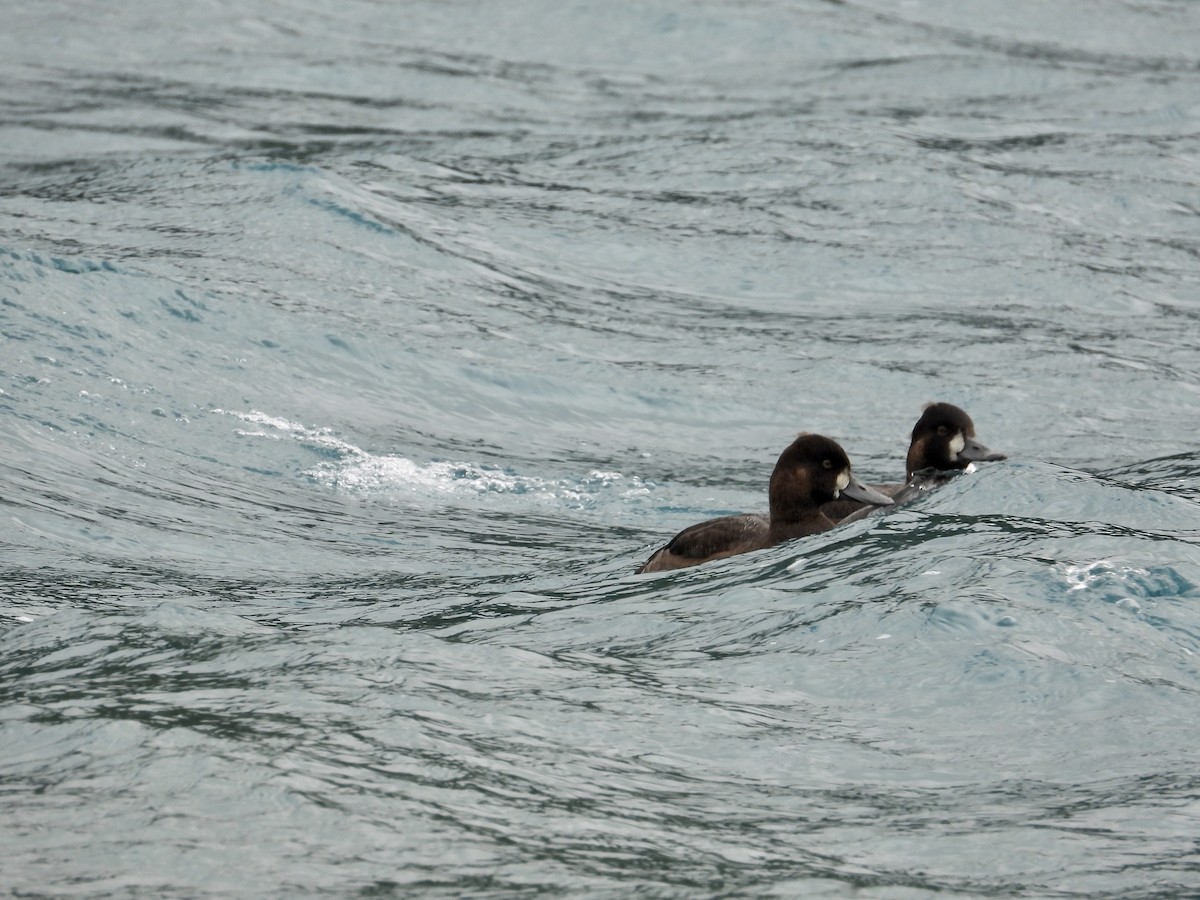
{"x":828,"y":463}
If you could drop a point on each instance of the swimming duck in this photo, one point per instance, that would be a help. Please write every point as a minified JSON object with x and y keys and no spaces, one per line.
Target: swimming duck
{"x":943,"y":442}
{"x":811,"y":471}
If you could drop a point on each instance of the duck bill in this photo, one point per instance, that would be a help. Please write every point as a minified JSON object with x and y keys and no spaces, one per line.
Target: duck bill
{"x":856,"y":490}
{"x":973,"y":451}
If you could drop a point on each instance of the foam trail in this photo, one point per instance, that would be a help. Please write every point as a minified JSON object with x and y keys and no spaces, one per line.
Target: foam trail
{"x":360,"y":471}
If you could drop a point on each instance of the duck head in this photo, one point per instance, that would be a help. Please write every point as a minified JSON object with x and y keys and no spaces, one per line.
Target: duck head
{"x":944,"y":439}
{"x":813,"y":470}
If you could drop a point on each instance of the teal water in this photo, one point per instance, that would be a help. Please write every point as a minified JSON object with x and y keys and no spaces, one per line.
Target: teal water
{"x":353,"y":355}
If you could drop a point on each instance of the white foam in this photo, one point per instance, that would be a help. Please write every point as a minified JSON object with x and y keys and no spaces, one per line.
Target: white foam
{"x":360,"y":471}
{"x":321,"y":437}
{"x":1086,"y":576}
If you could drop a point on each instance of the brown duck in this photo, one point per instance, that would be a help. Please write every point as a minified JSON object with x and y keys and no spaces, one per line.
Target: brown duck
{"x":813,"y":470}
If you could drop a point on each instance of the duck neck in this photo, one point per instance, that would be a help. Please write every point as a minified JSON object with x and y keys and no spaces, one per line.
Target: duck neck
{"x":794,"y":517}
{"x":920,"y":459}
{"x":786,"y":529}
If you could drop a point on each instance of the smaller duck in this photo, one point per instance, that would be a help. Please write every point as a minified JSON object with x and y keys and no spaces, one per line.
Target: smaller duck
{"x":813,"y":470}
{"x":943,"y":443}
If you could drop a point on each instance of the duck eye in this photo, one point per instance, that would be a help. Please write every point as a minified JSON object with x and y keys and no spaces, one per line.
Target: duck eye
{"x":828,"y":463}
{"x":943,"y":430}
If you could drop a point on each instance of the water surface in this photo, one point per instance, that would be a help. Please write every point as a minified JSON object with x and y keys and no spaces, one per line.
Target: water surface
{"x":352,"y":356}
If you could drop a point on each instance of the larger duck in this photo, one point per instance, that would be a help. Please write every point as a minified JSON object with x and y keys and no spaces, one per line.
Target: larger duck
{"x":813,"y":470}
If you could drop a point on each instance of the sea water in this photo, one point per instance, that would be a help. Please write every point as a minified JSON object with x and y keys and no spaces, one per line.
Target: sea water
{"x":353,"y":355}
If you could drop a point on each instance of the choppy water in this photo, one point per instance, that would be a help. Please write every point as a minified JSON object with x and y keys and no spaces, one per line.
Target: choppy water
{"x":354,"y":354}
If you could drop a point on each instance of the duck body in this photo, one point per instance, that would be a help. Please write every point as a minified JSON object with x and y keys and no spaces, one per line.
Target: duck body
{"x":812,"y":470}
{"x":714,"y":539}
{"x":943,"y":444}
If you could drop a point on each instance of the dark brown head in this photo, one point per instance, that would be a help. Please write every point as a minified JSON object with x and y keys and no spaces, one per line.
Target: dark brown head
{"x":944,"y":439}
{"x":811,"y":471}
